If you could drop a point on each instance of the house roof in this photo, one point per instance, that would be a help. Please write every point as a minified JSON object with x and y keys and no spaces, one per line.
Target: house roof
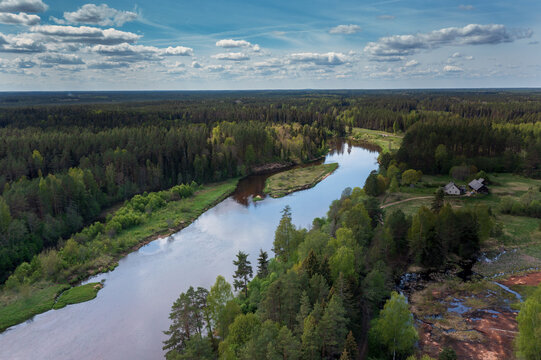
{"x":450,"y":186}
{"x":476,"y":184}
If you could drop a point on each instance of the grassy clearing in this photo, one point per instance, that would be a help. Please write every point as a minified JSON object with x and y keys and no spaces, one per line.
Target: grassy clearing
{"x":40,"y":298}
{"x":286,"y":182}
{"x":386,"y":141}
{"x":78,"y":294}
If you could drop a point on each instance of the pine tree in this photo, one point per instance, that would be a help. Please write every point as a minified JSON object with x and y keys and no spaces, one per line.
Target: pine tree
{"x":283,"y":236}
{"x":243,"y":273}
{"x":262,"y":264}
{"x":351,"y":347}
{"x":345,"y":355}
{"x":332,"y":327}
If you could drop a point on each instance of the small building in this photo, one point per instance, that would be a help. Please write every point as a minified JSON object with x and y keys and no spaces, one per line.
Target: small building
{"x":452,"y":189}
{"x":478,"y":186}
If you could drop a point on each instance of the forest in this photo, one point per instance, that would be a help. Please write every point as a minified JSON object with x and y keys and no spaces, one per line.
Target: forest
{"x":62,"y":165}
{"x":328,"y":292}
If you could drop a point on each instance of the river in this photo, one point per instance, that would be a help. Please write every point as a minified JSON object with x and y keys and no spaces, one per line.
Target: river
{"x":128,"y":316}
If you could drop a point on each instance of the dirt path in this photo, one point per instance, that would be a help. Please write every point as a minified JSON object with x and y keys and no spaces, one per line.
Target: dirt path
{"x":410,"y":199}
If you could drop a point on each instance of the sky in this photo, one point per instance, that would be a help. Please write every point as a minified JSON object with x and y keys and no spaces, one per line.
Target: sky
{"x":48,"y":45}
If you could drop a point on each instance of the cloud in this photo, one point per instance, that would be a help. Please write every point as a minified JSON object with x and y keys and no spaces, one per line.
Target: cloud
{"x":20,"y":43}
{"x":177,"y":51}
{"x":105,"y":65}
{"x":452,"y":69}
{"x":394,"y":47}
{"x":196,"y":65}
{"x":386,"y":17}
{"x":345,"y":29}
{"x":411,"y":63}
{"x":133,"y":53}
{"x":25,"y":6}
{"x":238,"y":56}
{"x":216,"y":68}
{"x":86,"y":34}
{"x":19,"y":19}
{"x":230,"y":43}
{"x":465,"y":7}
{"x":330,"y":58}
{"x":60,"y":59}
{"x":24,"y":63}
{"x":101,"y":15}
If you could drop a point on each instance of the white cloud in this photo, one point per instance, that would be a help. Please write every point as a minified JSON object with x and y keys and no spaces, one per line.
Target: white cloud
{"x":133,"y":53}
{"x":60,"y":59}
{"x":101,"y":15}
{"x":20,"y":43}
{"x":396,"y":46}
{"x":452,"y":69}
{"x":25,"y":6}
{"x":19,"y":19}
{"x":106,"y":65}
{"x":177,"y":51}
{"x":238,"y":56}
{"x":24,"y":63}
{"x":330,"y":58}
{"x":86,"y":34}
{"x":196,"y":65}
{"x":412,"y":63}
{"x":345,"y":29}
{"x":230,"y":43}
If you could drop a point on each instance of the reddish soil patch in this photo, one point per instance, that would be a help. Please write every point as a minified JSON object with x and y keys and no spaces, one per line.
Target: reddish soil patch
{"x":531,"y":279}
{"x":497,"y":333}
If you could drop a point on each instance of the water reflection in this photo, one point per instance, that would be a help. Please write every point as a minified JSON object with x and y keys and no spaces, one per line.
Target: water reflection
{"x":127,"y":318}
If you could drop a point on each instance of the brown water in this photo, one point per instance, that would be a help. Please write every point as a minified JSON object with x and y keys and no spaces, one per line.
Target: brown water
{"x":128,"y":316}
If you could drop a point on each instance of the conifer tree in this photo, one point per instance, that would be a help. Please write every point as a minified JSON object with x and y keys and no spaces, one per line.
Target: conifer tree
{"x":243,"y":273}
{"x":262,"y":264}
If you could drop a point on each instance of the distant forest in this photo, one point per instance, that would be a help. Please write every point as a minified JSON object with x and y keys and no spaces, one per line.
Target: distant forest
{"x":65,"y":158}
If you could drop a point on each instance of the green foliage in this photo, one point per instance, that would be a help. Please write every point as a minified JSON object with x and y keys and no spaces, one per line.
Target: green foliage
{"x":78,"y":294}
{"x":284,"y":237}
{"x":529,"y":328}
{"x":394,"y":327}
{"x":411,"y":177}
{"x":262,"y":264}
{"x":243,"y":273}
{"x":374,"y":184}
{"x":447,"y":354}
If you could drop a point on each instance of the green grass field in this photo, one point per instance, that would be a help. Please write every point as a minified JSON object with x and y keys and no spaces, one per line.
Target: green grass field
{"x":40,"y":298}
{"x":78,"y":294}
{"x":286,"y":182}
{"x":386,"y":141}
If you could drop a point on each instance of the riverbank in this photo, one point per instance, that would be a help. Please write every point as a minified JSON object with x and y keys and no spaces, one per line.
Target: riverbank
{"x":384,"y":141}
{"x":29,"y":298}
{"x":286,"y":182}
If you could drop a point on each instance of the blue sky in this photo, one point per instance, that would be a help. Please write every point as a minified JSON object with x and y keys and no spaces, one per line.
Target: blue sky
{"x":208,"y":44}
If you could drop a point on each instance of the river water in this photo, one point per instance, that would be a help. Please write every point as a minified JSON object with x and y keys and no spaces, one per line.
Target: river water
{"x":128,"y":316}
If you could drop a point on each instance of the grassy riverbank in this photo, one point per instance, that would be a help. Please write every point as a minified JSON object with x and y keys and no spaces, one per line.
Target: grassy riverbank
{"x":34,"y":287}
{"x":386,"y":141}
{"x":77,"y":295}
{"x":286,"y":182}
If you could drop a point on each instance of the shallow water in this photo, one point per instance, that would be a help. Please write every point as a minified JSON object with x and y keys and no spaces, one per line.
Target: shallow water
{"x":128,"y":316}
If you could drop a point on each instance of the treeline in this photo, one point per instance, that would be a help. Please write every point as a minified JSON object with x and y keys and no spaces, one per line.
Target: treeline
{"x":323,"y":295}
{"x":438,"y":146}
{"x":55,"y":181}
